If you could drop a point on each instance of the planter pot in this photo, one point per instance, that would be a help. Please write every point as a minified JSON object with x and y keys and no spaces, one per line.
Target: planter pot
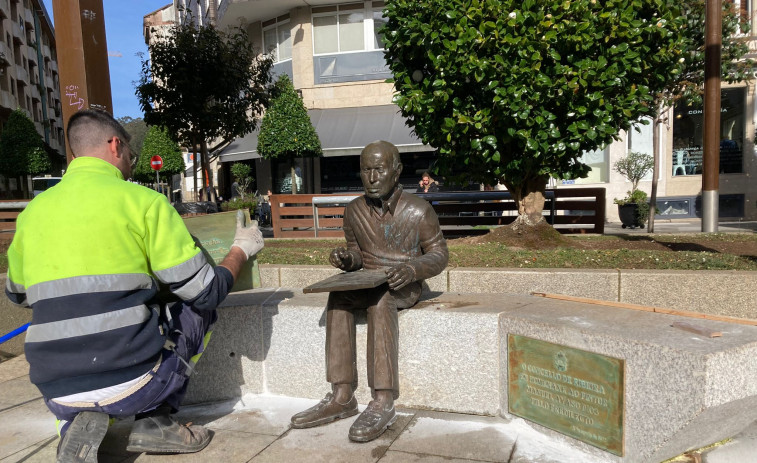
{"x":629,"y":215}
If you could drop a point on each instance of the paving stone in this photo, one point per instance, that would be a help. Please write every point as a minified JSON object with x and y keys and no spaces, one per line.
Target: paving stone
{"x":259,"y":414}
{"x":19,"y":390}
{"x":330,"y":444}
{"x":226,"y":447}
{"x":24,"y":426}
{"x":392,"y":456}
{"x":41,"y":452}
{"x":14,"y":368}
{"x":476,"y":438}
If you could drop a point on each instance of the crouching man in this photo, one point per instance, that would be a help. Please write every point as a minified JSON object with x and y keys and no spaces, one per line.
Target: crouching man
{"x":87,"y":257}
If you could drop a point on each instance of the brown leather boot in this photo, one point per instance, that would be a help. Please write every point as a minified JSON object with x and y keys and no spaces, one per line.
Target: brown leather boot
{"x":163,"y":434}
{"x":325,"y":411}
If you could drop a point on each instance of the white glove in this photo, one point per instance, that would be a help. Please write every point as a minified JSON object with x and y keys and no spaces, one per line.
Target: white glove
{"x":249,"y":239}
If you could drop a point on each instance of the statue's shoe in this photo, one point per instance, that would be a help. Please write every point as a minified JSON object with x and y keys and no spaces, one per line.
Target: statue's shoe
{"x":372,"y":422}
{"x":325,"y":411}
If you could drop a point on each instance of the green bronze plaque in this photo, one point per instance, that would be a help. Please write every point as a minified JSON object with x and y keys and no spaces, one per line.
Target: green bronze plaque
{"x":573,"y":391}
{"x":214,"y":233}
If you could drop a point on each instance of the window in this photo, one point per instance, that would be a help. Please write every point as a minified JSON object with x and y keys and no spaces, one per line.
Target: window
{"x":688,"y":128}
{"x":346,"y":28}
{"x":640,"y":139}
{"x":277,"y":39}
{"x":598,"y":161}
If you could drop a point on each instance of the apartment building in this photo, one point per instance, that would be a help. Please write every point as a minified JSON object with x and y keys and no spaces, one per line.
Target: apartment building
{"x":333,"y":53}
{"x":29,"y":69}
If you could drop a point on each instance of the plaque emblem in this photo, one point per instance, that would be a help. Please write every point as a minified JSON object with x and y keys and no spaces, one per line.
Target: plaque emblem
{"x":561,"y":361}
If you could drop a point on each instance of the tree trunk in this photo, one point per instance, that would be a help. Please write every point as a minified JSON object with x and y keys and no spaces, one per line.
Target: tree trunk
{"x":207,"y":179}
{"x":293,"y":174}
{"x":529,"y":196}
{"x":656,"y":126}
{"x":194,"y":168}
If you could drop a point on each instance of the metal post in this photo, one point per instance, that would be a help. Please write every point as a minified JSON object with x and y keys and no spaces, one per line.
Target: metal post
{"x":82,"y":57}
{"x":711,"y":158}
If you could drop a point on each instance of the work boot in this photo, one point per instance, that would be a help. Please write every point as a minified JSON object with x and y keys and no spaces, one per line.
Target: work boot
{"x":163,"y":434}
{"x":372,"y":422}
{"x":80,"y":443}
{"x":325,"y":411}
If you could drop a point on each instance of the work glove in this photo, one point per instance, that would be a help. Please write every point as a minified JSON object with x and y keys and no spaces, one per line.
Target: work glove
{"x":247,"y":238}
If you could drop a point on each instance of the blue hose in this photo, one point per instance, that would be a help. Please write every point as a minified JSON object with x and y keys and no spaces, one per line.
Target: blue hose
{"x":14,"y":333}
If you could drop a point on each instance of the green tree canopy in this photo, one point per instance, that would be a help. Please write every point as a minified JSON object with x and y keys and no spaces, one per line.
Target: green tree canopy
{"x":518,"y":90}
{"x":157,"y":141}
{"x":137,"y":128}
{"x":286,"y":131}
{"x":22,"y":151}
{"x":203,"y":84}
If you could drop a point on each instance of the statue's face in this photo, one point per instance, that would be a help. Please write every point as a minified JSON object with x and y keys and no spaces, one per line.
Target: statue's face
{"x":378,"y":174}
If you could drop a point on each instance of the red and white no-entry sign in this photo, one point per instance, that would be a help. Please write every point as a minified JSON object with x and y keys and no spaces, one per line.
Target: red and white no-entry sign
{"x":156,"y":162}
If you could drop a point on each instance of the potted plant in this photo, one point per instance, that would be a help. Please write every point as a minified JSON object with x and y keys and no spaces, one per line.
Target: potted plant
{"x":634,"y":208}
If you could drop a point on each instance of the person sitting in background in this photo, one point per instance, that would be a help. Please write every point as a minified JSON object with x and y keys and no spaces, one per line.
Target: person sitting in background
{"x":427,"y":184}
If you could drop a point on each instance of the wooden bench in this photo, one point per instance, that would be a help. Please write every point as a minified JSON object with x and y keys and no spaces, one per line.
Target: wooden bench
{"x":570,"y":210}
{"x":9,"y":210}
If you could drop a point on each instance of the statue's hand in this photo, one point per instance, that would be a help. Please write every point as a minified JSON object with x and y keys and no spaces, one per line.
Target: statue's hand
{"x":341,"y":258}
{"x":400,"y":276}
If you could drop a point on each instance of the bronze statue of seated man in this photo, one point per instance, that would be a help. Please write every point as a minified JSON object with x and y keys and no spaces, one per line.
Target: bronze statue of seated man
{"x":385,"y":229}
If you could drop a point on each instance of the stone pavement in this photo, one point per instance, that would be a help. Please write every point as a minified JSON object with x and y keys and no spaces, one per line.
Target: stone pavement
{"x":256,"y":429}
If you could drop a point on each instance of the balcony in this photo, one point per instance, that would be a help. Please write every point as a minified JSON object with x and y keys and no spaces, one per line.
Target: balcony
{"x":31,"y":53}
{"x":46,"y":51}
{"x":29,"y":18}
{"x":18,"y":32}
{"x":22,"y":76}
{"x":5,"y":53}
{"x":7,"y":101}
{"x":34,"y":92}
{"x":5,"y":10}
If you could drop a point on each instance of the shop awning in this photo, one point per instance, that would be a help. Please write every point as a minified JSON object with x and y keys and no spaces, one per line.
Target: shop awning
{"x":343,"y":132}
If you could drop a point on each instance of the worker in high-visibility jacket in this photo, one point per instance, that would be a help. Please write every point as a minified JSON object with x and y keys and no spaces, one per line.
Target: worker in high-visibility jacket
{"x":87,"y":257}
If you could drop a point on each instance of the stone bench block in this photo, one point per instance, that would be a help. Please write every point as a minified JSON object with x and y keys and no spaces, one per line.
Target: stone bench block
{"x":594,"y":284}
{"x":730,"y":293}
{"x":682,"y":390}
{"x":272,"y":341}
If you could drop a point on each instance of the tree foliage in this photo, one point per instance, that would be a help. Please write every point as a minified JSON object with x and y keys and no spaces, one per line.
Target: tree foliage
{"x":22,"y":151}
{"x":634,"y":167}
{"x":286,"y":131}
{"x":157,"y":141}
{"x":518,"y":90}
{"x":137,"y":128}
{"x":203,"y":84}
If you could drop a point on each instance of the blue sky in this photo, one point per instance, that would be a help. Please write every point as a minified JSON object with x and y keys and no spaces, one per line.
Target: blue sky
{"x":123,"y":31}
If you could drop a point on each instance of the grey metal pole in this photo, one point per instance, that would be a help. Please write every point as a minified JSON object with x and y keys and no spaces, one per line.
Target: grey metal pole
{"x":711,"y":157}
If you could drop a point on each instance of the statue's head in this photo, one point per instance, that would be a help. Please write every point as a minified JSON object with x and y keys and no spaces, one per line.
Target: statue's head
{"x":380,"y":169}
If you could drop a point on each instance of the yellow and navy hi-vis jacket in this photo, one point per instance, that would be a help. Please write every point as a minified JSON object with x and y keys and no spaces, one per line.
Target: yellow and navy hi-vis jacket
{"x":85,"y":257}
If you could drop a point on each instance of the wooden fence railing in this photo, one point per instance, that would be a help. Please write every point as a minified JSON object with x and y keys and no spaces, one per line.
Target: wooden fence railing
{"x":574,"y":210}
{"x":9,"y":210}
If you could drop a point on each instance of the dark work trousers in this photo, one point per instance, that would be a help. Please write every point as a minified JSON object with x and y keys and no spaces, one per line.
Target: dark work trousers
{"x":383,"y":334}
{"x":189,"y":331}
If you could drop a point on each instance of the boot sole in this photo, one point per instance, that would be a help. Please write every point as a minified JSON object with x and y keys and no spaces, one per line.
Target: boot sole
{"x":375,"y":435}
{"x":328,"y":419}
{"x":83,"y":438}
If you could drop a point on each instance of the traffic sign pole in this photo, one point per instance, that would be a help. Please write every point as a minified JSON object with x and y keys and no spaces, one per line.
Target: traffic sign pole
{"x":156,"y":162}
